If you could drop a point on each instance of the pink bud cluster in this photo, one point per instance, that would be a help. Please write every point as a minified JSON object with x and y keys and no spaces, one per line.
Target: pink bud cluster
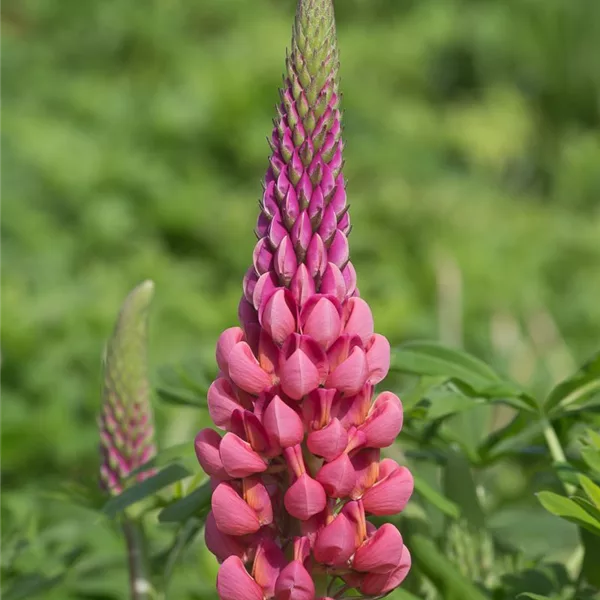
{"x":298,"y":469}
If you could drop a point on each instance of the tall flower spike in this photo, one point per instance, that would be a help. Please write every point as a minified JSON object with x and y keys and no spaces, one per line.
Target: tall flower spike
{"x":294,"y":395}
{"x":126,"y":421}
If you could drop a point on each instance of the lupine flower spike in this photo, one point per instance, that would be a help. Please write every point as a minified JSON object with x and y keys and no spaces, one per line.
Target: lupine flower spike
{"x":126,"y":423}
{"x":297,"y":470}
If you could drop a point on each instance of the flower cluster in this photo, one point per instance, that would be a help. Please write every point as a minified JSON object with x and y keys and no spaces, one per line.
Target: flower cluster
{"x":298,"y":469}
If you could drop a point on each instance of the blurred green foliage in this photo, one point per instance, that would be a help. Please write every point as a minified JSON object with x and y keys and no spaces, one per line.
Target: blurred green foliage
{"x":133,"y":146}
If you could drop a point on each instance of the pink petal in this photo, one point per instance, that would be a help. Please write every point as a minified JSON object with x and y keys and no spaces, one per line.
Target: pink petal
{"x":278,"y":315}
{"x":341,"y":349}
{"x":328,"y":442}
{"x":316,"y":408}
{"x":267,"y":283}
{"x":375,"y":584}
{"x":381,"y":553}
{"x":355,"y":513}
{"x":283,"y":424}
{"x":366,"y":467}
{"x":321,"y":320}
{"x":227,"y":340}
{"x":302,"y":285}
{"x":349,"y":273}
{"x":257,"y":436}
{"x":336,"y":542}
{"x":298,"y":376}
{"x":238,"y":457}
{"x":358,"y":319}
{"x":245,"y":371}
{"x":222,"y":402}
{"x":285,"y":261}
{"x":333,"y":282}
{"x":262,"y":256}
{"x":337,"y":477}
{"x":234,"y":583}
{"x":249,"y":284}
{"x":220,"y":544}
{"x":305,"y":498}
{"x":316,"y":256}
{"x":351,"y":375}
{"x":353,"y":411}
{"x":206,"y":445}
{"x":294,"y":583}
{"x":268,"y":563}
{"x":268,"y":353}
{"x":391,"y":494}
{"x":258,"y":499}
{"x":232,"y":515}
{"x":378,"y":358}
{"x":384,"y":421}
{"x":338,"y":252}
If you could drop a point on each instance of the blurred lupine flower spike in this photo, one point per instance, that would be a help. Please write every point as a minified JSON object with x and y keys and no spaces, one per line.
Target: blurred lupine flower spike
{"x":298,"y":469}
{"x":126,"y":420}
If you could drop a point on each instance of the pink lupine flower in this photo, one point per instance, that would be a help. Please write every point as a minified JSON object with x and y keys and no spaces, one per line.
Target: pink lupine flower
{"x":298,"y":466}
{"x":126,"y":420}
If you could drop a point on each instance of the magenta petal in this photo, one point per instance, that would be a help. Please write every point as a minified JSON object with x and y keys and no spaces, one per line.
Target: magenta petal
{"x":378,"y":358}
{"x":338,"y":252}
{"x":351,"y":375}
{"x":239,"y":460}
{"x":305,"y":498}
{"x":375,"y":584}
{"x":232,"y":515}
{"x":349,"y":273}
{"x":268,"y":563}
{"x":366,"y":467}
{"x":316,"y":256}
{"x":328,"y":442}
{"x":337,"y":477}
{"x":299,"y":375}
{"x":245,"y":371}
{"x":294,"y":583}
{"x":206,"y":445}
{"x":220,"y":544}
{"x":283,"y":424}
{"x":390,"y":495}
{"x":336,"y":542}
{"x":321,"y":320}
{"x":234,"y":582}
{"x":381,"y":553}
{"x":262,"y":256}
{"x":384,"y":421}
{"x":227,"y":340}
{"x":358,"y":319}
{"x":264,"y":287}
{"x":222,"y":402}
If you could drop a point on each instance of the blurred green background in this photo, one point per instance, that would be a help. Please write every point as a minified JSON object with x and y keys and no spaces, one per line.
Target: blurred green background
{"x":133,"y":147}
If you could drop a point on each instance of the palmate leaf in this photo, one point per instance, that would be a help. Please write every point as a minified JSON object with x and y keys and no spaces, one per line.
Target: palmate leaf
{"x":195,"y":504}
{"x":571,"y":509}
{"x":576,"y":391}
{"x":145,"y":489}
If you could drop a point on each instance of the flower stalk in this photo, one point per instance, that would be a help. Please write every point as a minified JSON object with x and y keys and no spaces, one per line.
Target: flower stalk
{"x":298,"y":469}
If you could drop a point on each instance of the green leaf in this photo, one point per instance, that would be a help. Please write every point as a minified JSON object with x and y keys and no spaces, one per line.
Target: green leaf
{"x":591,"y":457}
{"x":29,"y":586}
{"x":181,"y":397}
{"x":591,"y":489}
{"x":591,"y":557}
{"x":515,"y":437}
{"x":577,"y":390}
{"x":445,"y":576}
{"x":179,"y":452}
{"x":440,"y":502}
{"x":594,"y":439}
{"x":444,"y":402}
{"x":533,"y":596}
{"x":430,"y":358}
{"x":144,"y":489}
{"x":195,"y":504}
{"x":459,"y":487}
{"x":570,"y":510}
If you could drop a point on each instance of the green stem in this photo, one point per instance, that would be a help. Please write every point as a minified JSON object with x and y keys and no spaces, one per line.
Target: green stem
{"x":556,"y":451}
{"x":139,"y":580}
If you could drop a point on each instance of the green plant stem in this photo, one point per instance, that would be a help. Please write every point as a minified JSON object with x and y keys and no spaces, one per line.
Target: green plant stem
{"x":139,"y":580}
{"x":556,"y":450}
